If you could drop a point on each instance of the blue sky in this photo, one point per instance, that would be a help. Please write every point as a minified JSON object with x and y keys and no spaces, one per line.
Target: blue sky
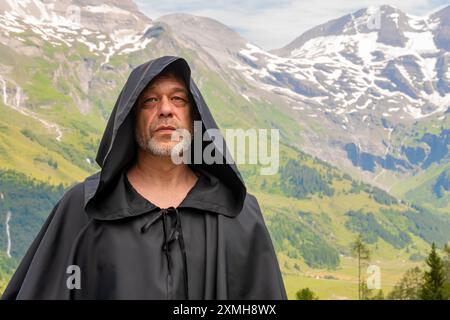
{"x":273,"y":24}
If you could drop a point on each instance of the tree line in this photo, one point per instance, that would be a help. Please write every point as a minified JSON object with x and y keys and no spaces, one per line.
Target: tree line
{"x":430,"y":283}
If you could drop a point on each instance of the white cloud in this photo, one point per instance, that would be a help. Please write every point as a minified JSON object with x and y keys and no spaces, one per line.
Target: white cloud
{"x":273,"y":24}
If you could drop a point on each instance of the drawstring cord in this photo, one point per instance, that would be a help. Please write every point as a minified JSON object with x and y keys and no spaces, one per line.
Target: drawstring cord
{"x":183,"y":251}
{"x":175,"y":234}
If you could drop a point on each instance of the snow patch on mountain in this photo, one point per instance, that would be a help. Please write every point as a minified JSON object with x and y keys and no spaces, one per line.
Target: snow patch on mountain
{"x":60,"y":29}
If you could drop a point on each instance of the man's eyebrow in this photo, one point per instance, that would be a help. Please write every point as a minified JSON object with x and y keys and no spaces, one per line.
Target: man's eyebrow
{"x":175,"y":89}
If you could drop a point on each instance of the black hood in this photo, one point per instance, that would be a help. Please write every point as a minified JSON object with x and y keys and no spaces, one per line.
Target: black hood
{"x":118,"y":147}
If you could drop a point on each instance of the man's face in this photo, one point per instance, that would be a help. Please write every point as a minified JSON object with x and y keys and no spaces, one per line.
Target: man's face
{"x":161,"y":108}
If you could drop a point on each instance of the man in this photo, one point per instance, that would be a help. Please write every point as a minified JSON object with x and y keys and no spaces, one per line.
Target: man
{"x":144,"y":227}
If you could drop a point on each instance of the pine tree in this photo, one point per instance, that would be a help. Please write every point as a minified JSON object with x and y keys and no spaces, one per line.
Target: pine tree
{"x":409,"y":287}
{"x":362,"y":253}
{"x":446,"y":261}
{"x":434,"y":279}
{"x":306,"y":294}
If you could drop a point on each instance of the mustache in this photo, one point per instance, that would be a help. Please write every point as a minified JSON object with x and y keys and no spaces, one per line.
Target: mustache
{"x":155,"y":125}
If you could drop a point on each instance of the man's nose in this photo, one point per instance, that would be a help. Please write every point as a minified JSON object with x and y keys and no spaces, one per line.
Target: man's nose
{"x":166,"y":107}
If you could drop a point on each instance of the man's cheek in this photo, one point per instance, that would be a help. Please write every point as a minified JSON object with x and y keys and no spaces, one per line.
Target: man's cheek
{"x":146,"y":127}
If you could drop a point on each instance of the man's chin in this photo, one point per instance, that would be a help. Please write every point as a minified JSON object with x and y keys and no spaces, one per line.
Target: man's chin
{"x":160,"y":146}
{"x":162,"y":149}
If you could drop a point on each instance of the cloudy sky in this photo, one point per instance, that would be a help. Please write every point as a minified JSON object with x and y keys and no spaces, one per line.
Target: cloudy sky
{"x":272,"y":24}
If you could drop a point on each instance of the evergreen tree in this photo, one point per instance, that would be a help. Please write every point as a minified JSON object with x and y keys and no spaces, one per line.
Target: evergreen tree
{"x":446,"y":261}
{"x":306,"y":294}
{"x":362,"y":253}
{"x":409,"y":287}
{"x":434,"y":279}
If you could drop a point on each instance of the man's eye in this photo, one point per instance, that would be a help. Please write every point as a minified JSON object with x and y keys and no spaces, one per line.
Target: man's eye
{"x":150,"y":100}
{"x":177,"y":98}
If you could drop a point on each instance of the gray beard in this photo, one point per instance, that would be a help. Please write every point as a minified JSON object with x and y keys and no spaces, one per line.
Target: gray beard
{"x":155,"y":148}
{"x":161,"y":149}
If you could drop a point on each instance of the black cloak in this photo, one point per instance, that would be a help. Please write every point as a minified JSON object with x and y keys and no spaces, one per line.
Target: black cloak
{"x":103,"y":240}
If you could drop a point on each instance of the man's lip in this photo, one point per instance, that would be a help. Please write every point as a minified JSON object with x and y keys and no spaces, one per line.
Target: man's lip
{"x":165,"y":128}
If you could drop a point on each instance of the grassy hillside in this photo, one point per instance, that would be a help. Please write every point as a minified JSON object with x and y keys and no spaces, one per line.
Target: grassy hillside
{"x":7,"y":267}
{"x":430,"y":186}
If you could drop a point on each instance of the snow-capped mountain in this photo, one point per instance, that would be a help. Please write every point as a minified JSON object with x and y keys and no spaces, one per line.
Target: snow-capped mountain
{"x":377,"y":59}
{"x":366,"y":79}
{"x":105,"y":28}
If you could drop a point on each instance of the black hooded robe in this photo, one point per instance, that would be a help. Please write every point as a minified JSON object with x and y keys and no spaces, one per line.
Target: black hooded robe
{"x":103,"y":240}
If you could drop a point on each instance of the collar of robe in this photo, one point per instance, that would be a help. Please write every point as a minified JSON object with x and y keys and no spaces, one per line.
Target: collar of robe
{"x":208,"y":194}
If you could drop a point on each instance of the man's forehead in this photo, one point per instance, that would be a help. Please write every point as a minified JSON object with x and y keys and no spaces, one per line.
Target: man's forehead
{"x":167,"y":81}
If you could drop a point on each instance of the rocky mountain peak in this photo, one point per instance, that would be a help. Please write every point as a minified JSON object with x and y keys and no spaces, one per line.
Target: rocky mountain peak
{"x":105,"y":16}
